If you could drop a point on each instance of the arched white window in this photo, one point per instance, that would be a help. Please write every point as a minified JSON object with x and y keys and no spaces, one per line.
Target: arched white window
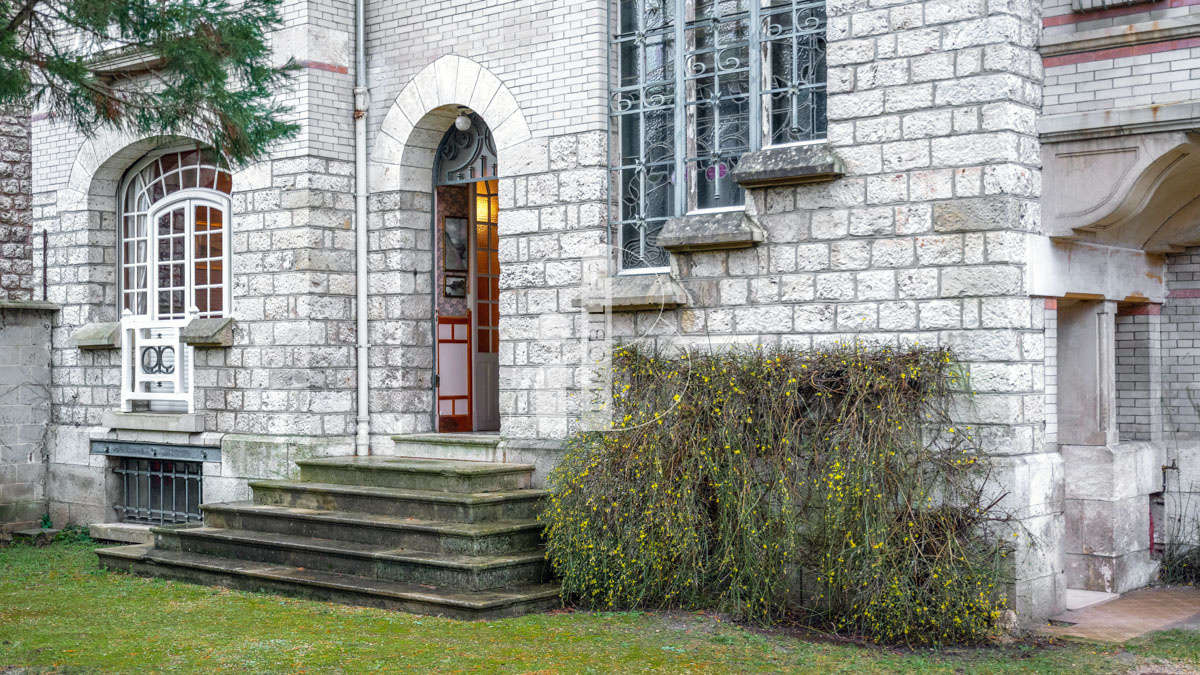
{"x":174,"y":262}
{"x":174,"y":236}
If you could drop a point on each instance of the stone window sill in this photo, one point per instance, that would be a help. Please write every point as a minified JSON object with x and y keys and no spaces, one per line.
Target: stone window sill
{"x":103,"y":335}
{"x":1123,"y":35}
{"x":124,"y":60}
{"x":198,"y":333}
{"x":1081,"y":6}
{"x":710,"y":231}
{"x":190,"y":423}
{"x":789,"y":165}
{"x":635,"y":292}
{"x":208,"y":332}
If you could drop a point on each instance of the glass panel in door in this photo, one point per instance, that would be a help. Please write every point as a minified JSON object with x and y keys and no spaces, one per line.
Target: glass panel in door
{"x":171,"y":247}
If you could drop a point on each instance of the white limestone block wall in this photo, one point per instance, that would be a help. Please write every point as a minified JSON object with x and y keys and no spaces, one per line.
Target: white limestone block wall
{"x":290,"y":373}
{"x":932,"y":107}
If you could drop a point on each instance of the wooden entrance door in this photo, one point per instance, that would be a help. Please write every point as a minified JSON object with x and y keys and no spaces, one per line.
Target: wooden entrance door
{"x":467,"y":290}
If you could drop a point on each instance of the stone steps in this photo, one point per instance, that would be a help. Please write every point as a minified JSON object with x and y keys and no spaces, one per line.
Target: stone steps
{"x":473,"y":573}
{"x":454,"y":538}
{"x":145,"y":560}
{"x":427,"y":504}
{"x":417,"y":474}
{"x":470,"y":447}
{"x":488,"y":538}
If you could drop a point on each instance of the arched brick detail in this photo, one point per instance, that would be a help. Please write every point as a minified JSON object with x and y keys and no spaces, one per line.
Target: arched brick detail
{"x":402,"y":157}
{"x":100,"y":163}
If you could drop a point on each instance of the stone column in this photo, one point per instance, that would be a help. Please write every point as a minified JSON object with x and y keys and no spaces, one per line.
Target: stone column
{"x":1108,"y":482}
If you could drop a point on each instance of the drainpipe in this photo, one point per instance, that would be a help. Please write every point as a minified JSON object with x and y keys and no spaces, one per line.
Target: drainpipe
{"x":362,"y":441}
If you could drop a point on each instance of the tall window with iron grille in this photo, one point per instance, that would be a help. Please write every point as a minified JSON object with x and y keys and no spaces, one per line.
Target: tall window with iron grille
{"x":696,"y":84}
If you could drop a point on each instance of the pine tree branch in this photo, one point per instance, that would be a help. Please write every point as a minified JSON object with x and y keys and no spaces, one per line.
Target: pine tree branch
{"x":22,"y":15}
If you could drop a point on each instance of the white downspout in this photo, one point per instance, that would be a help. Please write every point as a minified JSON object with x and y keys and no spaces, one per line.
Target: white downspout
{"x":362,"y":441}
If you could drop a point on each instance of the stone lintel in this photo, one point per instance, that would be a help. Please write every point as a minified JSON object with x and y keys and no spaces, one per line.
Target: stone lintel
{"x":102,"y":335}
{"x":710,"y":231}
{"x":633,"y":292}
{"x":208,"y":332}
{"x":190,"y":423}
{"x":789,"y":165}
{"x":1056,"y":268}
{"x":152,"y":450}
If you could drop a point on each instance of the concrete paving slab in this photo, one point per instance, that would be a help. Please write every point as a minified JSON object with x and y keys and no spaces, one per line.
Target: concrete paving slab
{"x":1132,"y":615}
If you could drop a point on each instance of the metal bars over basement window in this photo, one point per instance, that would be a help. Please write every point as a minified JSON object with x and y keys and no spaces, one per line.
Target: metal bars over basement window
{"x":697,"y":83}
{"x":159,"y":491}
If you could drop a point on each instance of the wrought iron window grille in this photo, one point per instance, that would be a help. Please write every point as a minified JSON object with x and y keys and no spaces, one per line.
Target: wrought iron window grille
{"x":159,"y":491}
{"x":696,"y":84}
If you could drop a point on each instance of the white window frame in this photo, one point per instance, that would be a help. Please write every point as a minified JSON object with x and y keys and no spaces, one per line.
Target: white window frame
{"x":167,"y":392}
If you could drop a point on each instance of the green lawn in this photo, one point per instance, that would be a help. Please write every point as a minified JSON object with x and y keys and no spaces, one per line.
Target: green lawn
{"x":59,"y":610}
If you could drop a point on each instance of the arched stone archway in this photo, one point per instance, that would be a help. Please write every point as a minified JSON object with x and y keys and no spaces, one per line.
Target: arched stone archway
{"x":402,"y":157}
{"x":402,"y":185}
{"x":99,"y":165}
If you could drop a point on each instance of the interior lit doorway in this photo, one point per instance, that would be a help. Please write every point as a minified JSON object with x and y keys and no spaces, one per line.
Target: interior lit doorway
{"x":467,"y":279}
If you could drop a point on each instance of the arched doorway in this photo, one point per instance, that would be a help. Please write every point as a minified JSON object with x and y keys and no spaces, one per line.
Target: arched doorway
{"x":466,"y":273}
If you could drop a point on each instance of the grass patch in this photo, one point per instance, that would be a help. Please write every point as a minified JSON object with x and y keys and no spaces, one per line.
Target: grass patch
{"x":59,"y":610}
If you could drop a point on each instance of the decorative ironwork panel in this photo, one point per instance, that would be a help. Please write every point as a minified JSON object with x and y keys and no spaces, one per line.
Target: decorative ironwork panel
{"x":793,"y":47}
{"x":156,"y":364}
{"x":643,"y":108}
{"x":466,"y":155}
{"x":696,"y":84}
{"x":159,"y":491}
{"x":717,"y":57}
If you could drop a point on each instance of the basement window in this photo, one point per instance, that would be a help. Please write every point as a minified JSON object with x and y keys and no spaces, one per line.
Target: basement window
{"x":159,"y":491}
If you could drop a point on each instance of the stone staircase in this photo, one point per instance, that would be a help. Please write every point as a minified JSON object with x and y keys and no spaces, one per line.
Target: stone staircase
{"x":429,"y":536}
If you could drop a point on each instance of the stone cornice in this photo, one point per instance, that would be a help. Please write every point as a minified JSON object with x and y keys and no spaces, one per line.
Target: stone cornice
{"x":1119,"y":122}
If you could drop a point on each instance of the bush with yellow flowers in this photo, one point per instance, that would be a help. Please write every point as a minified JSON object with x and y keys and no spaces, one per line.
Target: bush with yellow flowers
{"x":829,"y":487}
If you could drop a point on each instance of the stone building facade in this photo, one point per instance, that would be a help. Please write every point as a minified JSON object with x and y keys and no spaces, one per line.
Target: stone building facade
{"x":16,"y":252}
{"x":1001,"y":177}
{"x":24,"y":337}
